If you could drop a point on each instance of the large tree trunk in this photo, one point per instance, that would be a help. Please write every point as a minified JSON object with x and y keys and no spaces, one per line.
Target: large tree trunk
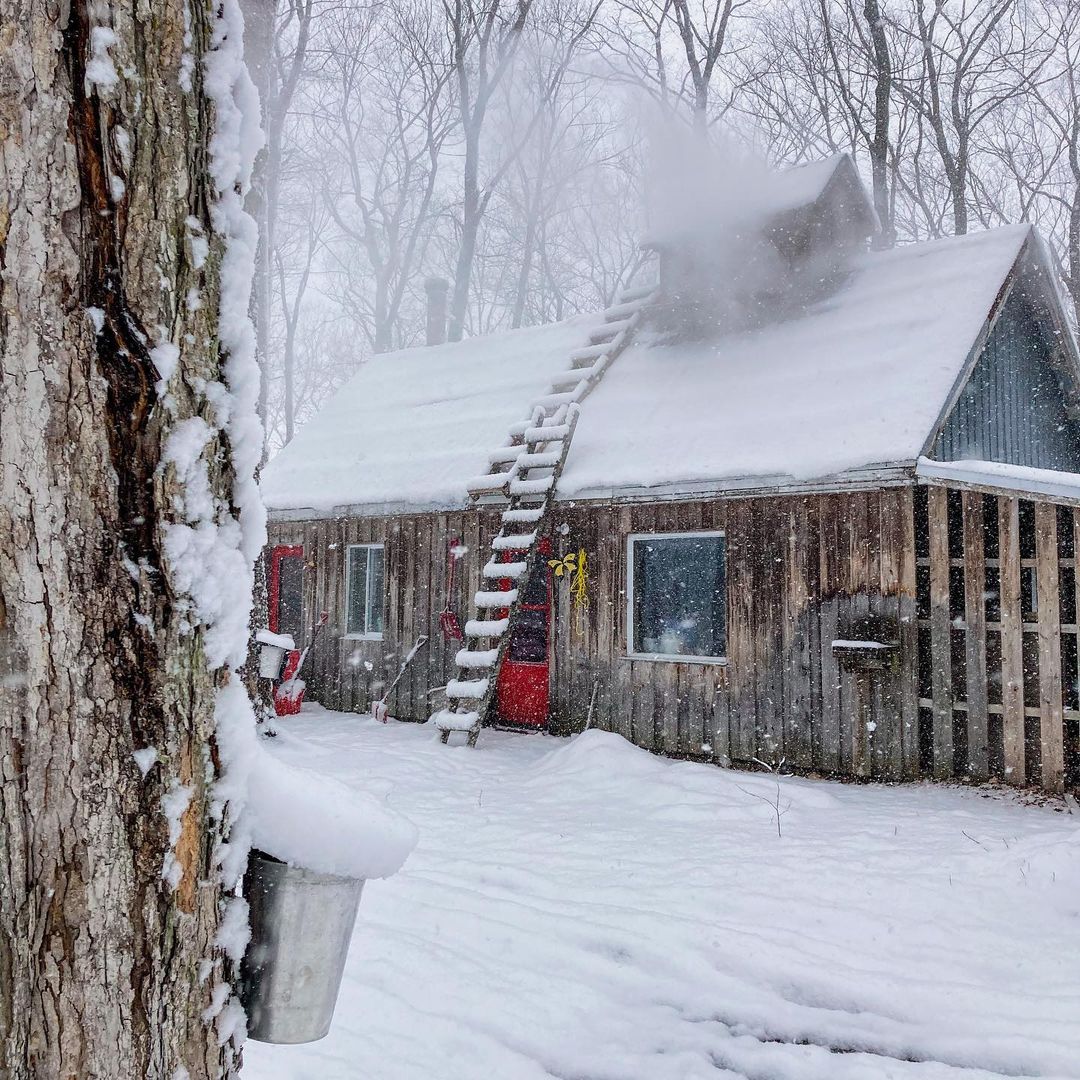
{"x":112,"y":459}
{"x":881,"y":67}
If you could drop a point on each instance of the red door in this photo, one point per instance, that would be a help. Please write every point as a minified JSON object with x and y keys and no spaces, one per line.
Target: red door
{"x":522,"y":692}
{"x":286,"y":591}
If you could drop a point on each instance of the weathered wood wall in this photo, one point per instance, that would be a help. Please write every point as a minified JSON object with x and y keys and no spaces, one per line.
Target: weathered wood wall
{"x":802,"y":571}
{"x":921,"y":568}
{"x":347,"y":674}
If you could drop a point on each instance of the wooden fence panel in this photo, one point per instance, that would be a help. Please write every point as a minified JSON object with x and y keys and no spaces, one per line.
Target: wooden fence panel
{"x":940,"y":633}
{"x":978,"y":726}
{"x":1012,"y":641}
{"x":1049,"y":619}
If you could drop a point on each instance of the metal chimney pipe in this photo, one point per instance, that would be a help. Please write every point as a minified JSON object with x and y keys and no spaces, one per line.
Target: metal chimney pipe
{"x":436,"y":289}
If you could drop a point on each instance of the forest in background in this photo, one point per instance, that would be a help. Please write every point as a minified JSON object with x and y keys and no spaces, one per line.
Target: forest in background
{"x":513,"y":147}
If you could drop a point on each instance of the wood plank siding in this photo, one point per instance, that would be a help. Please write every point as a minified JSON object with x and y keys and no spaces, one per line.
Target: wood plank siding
{"x":975,"y":597}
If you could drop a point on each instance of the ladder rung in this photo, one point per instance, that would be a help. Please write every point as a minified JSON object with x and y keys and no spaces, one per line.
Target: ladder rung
{"x":531,"y":487}
{"x":569,"y":378}
{"x":487,"y":598}
{"x":549,"y":401}
{"x":513,"y":543}
{"x":546,"y":460}
{"x":482,"y":658}
{"x":590,"y":352}
{"x":554,"y":433}
{"x":505,"y":454}
{"x":635,"y":292}
{"x":510,"y":570}
{"x":605,"y":336}
{"x":448,"y":720}
{"x":624,"y":309}
{"x":523,"y":515}
{"x":467,"y":689}
{"x":486,"y":627}
{"x":494,"y":482}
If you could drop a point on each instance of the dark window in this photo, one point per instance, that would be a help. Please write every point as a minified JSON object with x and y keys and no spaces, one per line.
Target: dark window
{"x":528,"y":643}
{"x":364,"y":578}
{"x":290,"y":611}
{"x":677,"y":595}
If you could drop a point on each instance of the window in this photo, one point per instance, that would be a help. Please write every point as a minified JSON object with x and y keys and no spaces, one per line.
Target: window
{"x":364,"y":591}
{"x":287,"y":590}
{"x":676,"y":596}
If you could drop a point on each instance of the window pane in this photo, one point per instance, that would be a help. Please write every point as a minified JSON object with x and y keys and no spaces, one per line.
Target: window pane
{"x":357,"y":590}
{"x":528,"y":643}
{"x":375,"y":591}
{"x":679,"y":596}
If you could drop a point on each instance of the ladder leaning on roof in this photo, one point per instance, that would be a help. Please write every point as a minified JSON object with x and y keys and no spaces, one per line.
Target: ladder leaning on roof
{"x":523,"y":475}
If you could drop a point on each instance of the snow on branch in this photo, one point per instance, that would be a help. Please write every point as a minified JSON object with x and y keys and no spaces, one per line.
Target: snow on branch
{"x":290,"y":814}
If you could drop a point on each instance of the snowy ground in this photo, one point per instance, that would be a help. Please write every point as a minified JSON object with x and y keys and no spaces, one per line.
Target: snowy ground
{"x":587,"y":911}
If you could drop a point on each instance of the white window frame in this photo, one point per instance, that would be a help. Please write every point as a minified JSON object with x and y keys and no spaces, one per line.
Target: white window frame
{"x":367,"y":635}
{"x":670,"y":658}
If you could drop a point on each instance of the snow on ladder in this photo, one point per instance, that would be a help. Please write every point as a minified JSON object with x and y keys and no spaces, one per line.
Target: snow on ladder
{"x":523,"y":476}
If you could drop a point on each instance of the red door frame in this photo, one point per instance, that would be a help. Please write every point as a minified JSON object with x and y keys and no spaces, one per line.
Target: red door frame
{"x":277,"y":553}
{"x":524,"y":689}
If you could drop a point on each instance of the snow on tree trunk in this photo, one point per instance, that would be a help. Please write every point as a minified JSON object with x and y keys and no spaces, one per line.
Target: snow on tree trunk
{"x":121,"y":475}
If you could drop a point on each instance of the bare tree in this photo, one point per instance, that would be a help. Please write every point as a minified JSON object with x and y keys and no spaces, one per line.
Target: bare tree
{"x":384,"y":95}
{"x":971,"y":57}
{"x":484,"y":39}
{"x":278,"y":52}
{"x":703,"y":30}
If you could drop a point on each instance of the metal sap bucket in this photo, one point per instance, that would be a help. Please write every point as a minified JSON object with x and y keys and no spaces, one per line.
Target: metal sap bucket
{"x":301,"y":923}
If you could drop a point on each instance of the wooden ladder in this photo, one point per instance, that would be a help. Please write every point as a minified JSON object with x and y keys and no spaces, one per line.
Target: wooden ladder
{"x":523,"y":477}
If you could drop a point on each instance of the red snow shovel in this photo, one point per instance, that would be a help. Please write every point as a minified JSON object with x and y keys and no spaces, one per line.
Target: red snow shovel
{"x":289,"y":692}
{"x":448,"y":621}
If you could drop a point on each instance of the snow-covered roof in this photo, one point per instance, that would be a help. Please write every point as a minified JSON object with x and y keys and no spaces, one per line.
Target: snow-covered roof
{"x":411,"y":427}
{"x":997,"y":475}
{"x":802,"y":185}
{"x":857,"y":380}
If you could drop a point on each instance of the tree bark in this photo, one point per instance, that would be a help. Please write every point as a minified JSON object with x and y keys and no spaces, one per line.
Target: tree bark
{"x":109,"y":277}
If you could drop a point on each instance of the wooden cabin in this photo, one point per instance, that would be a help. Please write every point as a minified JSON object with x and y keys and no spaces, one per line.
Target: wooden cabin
{"x":833,"y":530}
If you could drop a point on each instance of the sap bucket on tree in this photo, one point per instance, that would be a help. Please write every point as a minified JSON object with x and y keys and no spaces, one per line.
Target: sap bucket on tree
{"x":301,"y":924}
{"x":314,"y":843}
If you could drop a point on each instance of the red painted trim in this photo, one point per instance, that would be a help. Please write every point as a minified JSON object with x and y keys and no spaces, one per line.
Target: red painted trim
{"x":523,"y":691}
{"x":281,"y":551}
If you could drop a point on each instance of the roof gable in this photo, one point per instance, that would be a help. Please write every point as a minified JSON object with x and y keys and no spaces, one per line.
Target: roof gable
{"x":1017,"y":403}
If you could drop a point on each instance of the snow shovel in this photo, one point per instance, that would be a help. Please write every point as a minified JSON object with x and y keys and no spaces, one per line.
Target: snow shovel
{"x":379,"y":708}
{"x":289,"y":692}
{"x":448,"y":621}
{"x":324,"y":618}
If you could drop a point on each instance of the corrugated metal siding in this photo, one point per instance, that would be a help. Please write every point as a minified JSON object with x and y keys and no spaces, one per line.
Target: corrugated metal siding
{"x":1013,"y":409}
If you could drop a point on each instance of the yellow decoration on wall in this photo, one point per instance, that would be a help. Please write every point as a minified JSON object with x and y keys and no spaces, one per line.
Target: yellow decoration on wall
{"x":566,"y":565}
{"x":575,"y":565}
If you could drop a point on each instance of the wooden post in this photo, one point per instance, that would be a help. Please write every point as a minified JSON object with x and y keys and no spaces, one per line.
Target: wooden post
{"x":940,"y":632}
{"x":978,"y":731}
{"x":909,"y":641}
{"x":1050,"y":705}
{"x":827,"y":733}
{"x":1012,"y":640}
